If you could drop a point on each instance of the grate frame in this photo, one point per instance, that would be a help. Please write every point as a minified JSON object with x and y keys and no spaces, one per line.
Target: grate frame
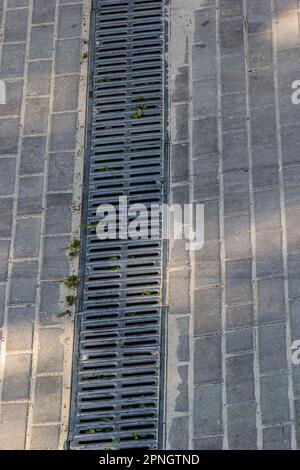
{"x":118,"y":369}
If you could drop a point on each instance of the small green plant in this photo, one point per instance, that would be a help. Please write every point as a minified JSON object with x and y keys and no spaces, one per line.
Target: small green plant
{"x":71,"y":300}
{"x":146,"y":293}
{"x":103,"y":80}
{"x":71,"y":282}
{"x":139,"y":113}
{"x":113,"y":258}
{"x":74,"y":247}
{"x":114,"y":268}
{"x":104,"y":169}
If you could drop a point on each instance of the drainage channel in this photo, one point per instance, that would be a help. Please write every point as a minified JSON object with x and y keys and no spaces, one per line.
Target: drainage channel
{"x":117,"y":379}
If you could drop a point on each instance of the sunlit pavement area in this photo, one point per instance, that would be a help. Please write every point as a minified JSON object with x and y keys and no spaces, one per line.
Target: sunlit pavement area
{"x":43,"y":65}
{"x":234,"y":306}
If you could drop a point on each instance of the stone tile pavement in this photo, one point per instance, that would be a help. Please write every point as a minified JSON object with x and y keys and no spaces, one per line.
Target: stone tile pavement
{"x":234,"y":305}
{"x":43,"y":64}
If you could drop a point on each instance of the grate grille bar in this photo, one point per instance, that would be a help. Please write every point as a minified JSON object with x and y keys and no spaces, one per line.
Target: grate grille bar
{"x":116,"y":379}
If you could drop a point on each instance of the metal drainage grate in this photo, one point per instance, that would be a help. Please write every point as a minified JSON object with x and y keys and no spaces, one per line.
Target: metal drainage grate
{"x":116,"y":380}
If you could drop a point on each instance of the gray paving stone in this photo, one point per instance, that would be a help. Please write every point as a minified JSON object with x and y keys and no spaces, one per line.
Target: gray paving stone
{"x":181,"y":85}
{"x":205,"y":29}
{"x":7,"y":176}
{"x":13,"y":60}
{"x":240,"y":340}
{"x":267,"y":210}
{"x":51,"y":305}
{"x":294,"y":275}
{"x":13,"y":426}
{"x":291,"y":178}
{"x":14,"y":95}
{"x":16,"y":26}
{"x":55,"y":260}
{"x":261,"y":88}
{"x":67,"y":59}
{"x":207,"y":265}
{"x":207,"y":360}
{"x":70,"y":21}
{"x":211,"y":218}
{"x":205,"y":98}
{"x":41,"y":46}
{"x":230,"y":8}
{"x":6,"y":206}
{"x":236,"y":193}
{"x":272,"y":348}
{"x":237,"y":236}
{"x":205,"y":140}
{"x":59,"y":214}
{"x":9,"y":134}
{"x":290,"y":140}
{"x":63,"y":136}
{"x":179,"y":292}
{"x":39,"y":78}
{"x":235,"y":151}
{"x":206,"y":177}
{"x":66,"y":93}
{"x":4,"y":253}
{"x":16,"y":382}
{"x":51,"y":350}
{"x":45,"y":437}
{"x":263,"y":126}
{"x":269,"y":254}
{"x":2,"y":303}
{"x":295,"y":319}
{"x":242,"y":433}
{"x":288,"y":66}
{"x":274,"y":389}
{"x":30,"y":195}
{"x":233,"y":74}
{"x":289,"y":112}
{"x":33,"y":155}
{"x":240,"y":379}
{"x":182,"y":121}
{"x":36,"y":116}
{"x":277,"y":438}
{"x":183,"y":350}
{"x":259,"y":16}
{"x":260,"y":50}
{"x":234,"y":113}
{"x":208,"y":443}
{"x":27,"y":238}
{"x":23,"y":282}
{"x":207,"y":317}
{"x":270,"y":300}
{"x":179,"y":162}
{"x":231,"y":36}
{"x":182,"y":399}
{"x":204,"y":61}
{"x":43,"y":11}
{"x":48,"y":400}
{"x":178,"y":438}
{"x":17,"y":3}
{"x":239,"y":315}
{"x":61,"y":172}
{"x":265,"y":166}
{"x":238,"y":281}
{"x":208,"y":409}
{"x":20,"y":328}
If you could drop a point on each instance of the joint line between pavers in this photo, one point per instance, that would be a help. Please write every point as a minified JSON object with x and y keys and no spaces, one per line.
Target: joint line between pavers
{"x":222,"y":230}
{"x":284,"y":234}
{"x":253,"y":243}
